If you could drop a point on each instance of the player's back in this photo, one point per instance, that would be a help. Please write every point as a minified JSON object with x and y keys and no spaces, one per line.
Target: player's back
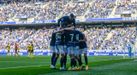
{"x":52,"y":42}
{"x":59,"y":39}
{"x":82,"y":42}
{"x":71,"y":37}
{"x":68,"y":37}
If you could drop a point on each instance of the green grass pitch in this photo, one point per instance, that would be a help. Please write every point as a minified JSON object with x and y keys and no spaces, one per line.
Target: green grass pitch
{"x":39,"y":65}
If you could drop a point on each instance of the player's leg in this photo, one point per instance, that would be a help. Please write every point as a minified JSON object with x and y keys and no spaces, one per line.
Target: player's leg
{"x":76,"y":53}
{"x":53,"y":56}
{"x":56,"y":55}
{"x":130,"y":53}
{"x":15,"y":52}
{"x":86,"y":58}
{"x":31,"y":53}
{"x":72,"y":60}
{"x":62,"y":57}
{"x":55,"y":59}
{"x":65,"y":56}
{"x":61,"y":62}
{"x":80,"y":59}
{"x":8,"y":53}
{"x":28,"y":53}
{"x":65,"y":60}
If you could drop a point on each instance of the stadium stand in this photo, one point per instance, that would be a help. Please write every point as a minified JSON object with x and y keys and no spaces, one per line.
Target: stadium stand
{"x":100,"y":38}
{"x":53,"y":9}
{"x":109,"y":38}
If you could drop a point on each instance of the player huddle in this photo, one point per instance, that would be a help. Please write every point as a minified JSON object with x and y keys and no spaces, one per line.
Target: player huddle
{"x":68,"y":41}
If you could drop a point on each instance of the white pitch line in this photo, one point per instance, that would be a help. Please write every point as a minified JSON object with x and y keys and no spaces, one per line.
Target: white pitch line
{"x":24,"y":62}
{"x":23,"y":66}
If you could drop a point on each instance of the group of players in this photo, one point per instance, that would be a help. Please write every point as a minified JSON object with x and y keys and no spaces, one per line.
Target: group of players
{"x":68,"y":41}
{"x":30,"y":49}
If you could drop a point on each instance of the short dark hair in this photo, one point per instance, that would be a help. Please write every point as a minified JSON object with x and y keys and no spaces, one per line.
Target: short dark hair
{"x":72,"y":15}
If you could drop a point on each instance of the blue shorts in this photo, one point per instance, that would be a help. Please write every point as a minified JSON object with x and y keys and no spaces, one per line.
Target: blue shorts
{"x":52,"y":48}
{"x":73,"y":50}
{"x":61,"y":49}
{"x":84,"y":50}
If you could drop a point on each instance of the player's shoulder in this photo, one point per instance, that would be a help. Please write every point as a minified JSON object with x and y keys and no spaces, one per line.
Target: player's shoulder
{"x":59,"y":32}
{"x":78,"y":32}
{"x":54,"y":33}
{"x":67,"y":30}
{"x":64,"y":17}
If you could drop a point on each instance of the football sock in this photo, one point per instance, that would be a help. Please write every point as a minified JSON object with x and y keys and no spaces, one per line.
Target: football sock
{"x":79,"y":60}
{"x":65,"y":60}
{"x":61,"y":61}
{"x":52,"y":58}
{"x":86,"y":59}
{"x":55,"y":60}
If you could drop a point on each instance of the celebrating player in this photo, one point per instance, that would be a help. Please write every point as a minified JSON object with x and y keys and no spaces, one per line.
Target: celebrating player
{"x":67,"y":21}
{"x":54,"y":52}
{"x":66,"y":41}
{"x":83,"y":50}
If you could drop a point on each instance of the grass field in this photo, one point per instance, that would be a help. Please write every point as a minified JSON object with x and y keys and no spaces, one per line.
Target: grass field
{"x":98,"y":65}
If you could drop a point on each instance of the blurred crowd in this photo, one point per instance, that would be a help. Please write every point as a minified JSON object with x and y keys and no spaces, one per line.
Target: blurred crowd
{"x":53,"y":9}
{"x":40,"y":10}
{"x":40,"y":38}
{"x":101,"y":9}
{"x":126,"y":5}
{"x":110,"y":38}
{"x":97,"y":38}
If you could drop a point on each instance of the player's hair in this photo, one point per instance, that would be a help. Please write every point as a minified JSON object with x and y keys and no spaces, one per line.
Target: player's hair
{"x":72,"y":15}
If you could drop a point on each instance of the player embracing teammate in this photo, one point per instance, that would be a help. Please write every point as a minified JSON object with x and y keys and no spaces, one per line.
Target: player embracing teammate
{"x":68,"y":41}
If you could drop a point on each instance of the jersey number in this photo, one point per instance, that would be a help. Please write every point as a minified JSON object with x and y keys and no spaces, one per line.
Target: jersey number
{"x":74,"y":36}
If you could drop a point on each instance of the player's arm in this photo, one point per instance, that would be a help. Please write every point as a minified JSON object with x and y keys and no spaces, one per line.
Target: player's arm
{"x":52,"y":39}
{"x":59,"y":21}
{"x":74,"y":23}
{"x":85,"y":39}
{"x":82,"y":38}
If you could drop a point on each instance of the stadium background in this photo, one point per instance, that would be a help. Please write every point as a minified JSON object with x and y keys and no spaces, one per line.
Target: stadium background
{"x":108,"y":24}
{"x":33,"y":30}
{"x":32,"y":20}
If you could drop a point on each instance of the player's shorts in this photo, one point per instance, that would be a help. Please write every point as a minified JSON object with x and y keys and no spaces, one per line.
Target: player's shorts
{"x":76,"y":50}
{"x":30,"y":51}
{"x":73,"y":50}
{"x":53,"y":49}
{"x":65,"y":49}
{"x":84,"y":50}
{"x":61,"y":49}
